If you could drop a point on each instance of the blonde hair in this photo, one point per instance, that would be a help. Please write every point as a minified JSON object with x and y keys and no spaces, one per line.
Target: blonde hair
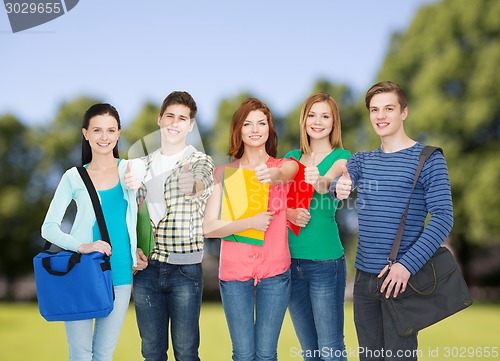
{"x":336,"y":133}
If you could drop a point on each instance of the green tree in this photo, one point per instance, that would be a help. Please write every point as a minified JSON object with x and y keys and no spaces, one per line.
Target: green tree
{"x":447,"y":61}
{"x":20,"y":215}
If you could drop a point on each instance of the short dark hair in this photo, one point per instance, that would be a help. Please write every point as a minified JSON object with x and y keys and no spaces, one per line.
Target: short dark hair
{"x":386,"y":87}
{"x":180,"y":97}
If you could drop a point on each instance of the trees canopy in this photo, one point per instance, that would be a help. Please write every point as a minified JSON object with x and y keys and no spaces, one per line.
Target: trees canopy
{"x":447,"y":63}
{"x":21,"y":212}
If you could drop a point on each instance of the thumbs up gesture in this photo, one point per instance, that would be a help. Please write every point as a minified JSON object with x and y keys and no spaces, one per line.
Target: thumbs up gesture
{"x":344,"y":184}
{"x":131,"y":179}
{"x":311,"y":172}
{"x":262,"y":172}
{"x":186,"y":181}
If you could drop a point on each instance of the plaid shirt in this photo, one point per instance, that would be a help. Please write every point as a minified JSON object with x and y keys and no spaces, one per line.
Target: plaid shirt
{"x":181,"y":230}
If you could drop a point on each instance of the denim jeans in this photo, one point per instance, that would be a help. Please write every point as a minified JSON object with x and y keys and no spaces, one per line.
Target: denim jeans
{"x":377,"y":336}
{"x":98,"y":344}
{"x":255,"y":314}
{"x":169,"y":295}
{"x":317,"y":307}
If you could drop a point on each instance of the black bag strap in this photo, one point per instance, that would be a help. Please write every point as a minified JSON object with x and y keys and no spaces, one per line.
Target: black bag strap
{"x":73,"y":260}
{"x":424,"y":154}
{"x":95,"y":202}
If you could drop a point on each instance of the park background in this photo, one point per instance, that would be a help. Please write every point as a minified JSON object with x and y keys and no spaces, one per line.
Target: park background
{"x":445,"y":54}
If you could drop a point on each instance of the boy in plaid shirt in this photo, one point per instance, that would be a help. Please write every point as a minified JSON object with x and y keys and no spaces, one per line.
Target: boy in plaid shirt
{"x":168,"y":289}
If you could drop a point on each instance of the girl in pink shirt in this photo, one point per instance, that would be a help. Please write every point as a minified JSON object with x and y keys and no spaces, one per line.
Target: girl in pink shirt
{"x":254,"y":280}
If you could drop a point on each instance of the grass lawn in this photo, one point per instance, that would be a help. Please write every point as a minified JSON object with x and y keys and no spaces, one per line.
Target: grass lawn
{"x":469,"y":335}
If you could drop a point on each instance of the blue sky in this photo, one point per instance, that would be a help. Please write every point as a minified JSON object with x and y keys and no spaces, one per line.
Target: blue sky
{"x":129,"y":52}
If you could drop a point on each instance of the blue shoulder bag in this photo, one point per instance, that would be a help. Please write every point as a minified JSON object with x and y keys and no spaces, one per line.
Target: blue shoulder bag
{"x":71,"y":286}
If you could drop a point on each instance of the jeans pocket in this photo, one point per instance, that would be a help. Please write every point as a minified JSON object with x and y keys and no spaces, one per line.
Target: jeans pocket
{"x":357,"y":276}
{"x":191,"y":271}
{"x":285,"y":277}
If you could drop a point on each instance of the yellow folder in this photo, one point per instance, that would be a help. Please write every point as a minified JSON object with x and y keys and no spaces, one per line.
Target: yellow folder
{"x":243,"y":196}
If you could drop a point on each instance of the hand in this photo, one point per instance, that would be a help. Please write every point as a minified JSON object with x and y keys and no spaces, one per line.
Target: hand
{"x":261,"y":221}
{"x":131,"y":178}
{"x":142,"y":260}
{"x":344,"y":184}
{"x":396,"y":280}
{"x":298,"y":216}
{"x":262,"y":172}
{"x":311,"y":172}
{"x":186,"y":181}
{"x":97,"y":246}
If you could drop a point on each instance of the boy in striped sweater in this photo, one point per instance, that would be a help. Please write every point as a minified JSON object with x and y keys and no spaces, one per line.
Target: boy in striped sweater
{"x":384,"y":180}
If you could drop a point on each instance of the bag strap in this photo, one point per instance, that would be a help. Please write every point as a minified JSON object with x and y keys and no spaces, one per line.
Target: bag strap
{"x":95,"y":203}
{"x":424,"y":154}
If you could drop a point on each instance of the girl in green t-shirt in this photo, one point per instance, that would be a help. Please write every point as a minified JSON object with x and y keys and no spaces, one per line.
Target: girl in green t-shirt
{"x":318,"y":263}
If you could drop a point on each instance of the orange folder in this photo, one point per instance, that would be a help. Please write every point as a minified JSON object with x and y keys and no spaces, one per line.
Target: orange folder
{"x":243,"y":196}
{"x":299,"y":195}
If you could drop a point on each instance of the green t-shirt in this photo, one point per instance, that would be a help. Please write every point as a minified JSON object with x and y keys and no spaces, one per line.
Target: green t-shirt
{"x":320,"y":239}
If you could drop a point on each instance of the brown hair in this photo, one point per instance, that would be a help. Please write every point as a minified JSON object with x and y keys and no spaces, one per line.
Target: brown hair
{"x":336,"y":133}
{"x":236,"y":145}
{"x":180,"y":97}
{"x":386,"y":87}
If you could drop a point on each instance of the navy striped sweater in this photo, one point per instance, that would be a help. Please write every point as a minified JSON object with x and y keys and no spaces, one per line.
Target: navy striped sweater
{"x":384,"y":182}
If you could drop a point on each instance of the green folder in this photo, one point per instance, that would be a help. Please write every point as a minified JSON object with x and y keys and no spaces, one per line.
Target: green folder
{"x":145,"y":238}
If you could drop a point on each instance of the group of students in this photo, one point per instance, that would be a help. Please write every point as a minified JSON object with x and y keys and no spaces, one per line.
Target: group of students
{"x":306,"y":273}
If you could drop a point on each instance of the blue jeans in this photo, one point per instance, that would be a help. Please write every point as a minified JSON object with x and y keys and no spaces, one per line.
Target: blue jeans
{"x":168,"y":294}
{"x":377,"y":336}
{"x":254,"y":315}
{"x":98,"y":344}
{"x":317,"y":307}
